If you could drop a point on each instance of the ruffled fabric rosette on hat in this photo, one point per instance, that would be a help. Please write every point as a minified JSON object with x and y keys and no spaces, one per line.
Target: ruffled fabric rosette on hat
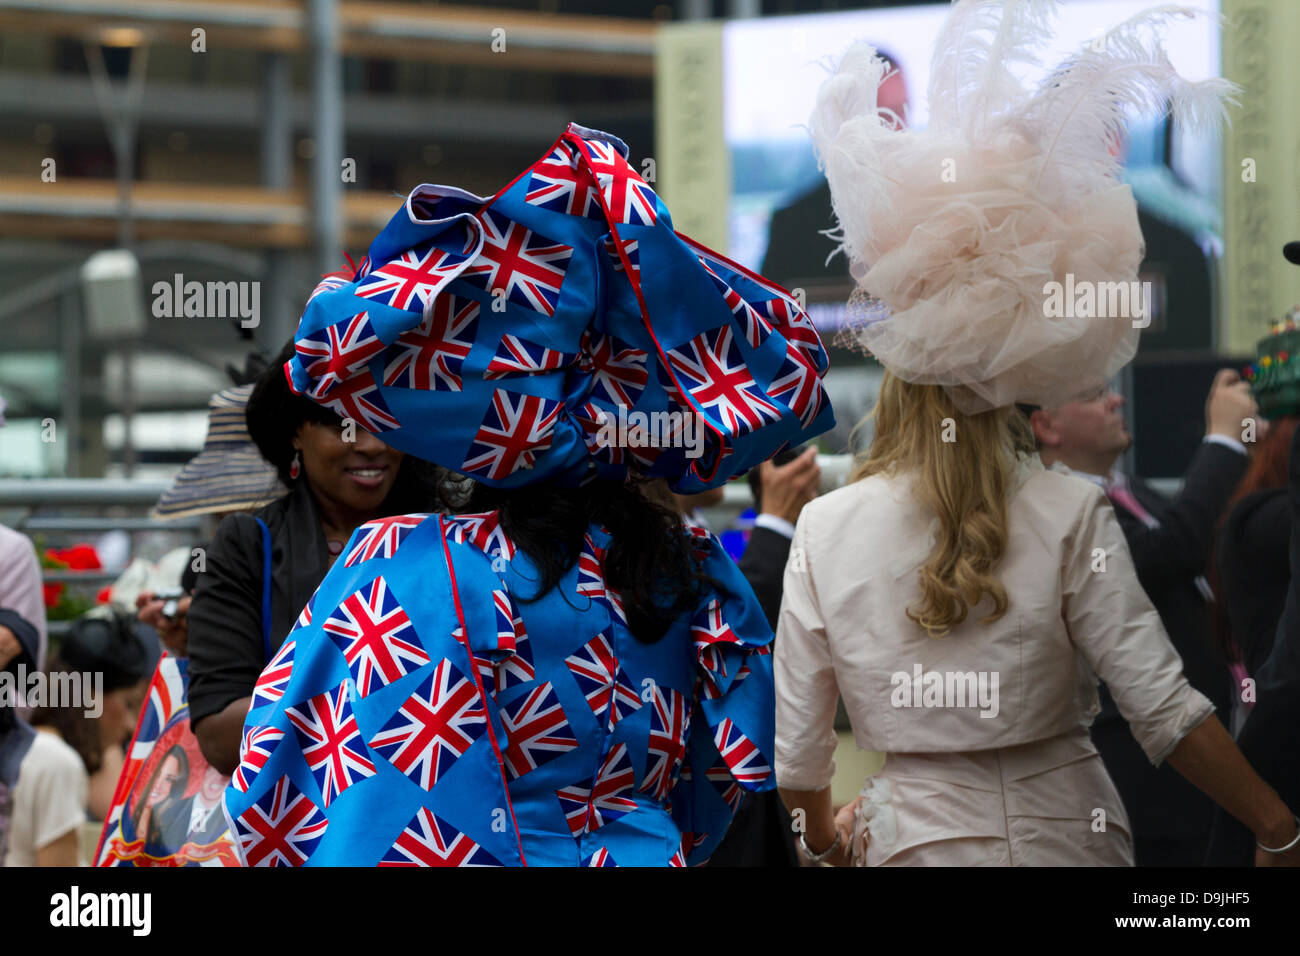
{"x":955,"y":232}
{"x":505,"y":337}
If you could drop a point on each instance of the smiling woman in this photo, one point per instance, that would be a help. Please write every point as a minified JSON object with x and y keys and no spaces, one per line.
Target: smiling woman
{"x":339,"y":477}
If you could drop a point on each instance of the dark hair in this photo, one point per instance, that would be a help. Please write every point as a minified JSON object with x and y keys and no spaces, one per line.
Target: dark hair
{"x":275,"y":413}
{"x":78,"y":731}
{"x":182,"y":780}
{"x":649,"y":562}
{"x":107,"y":641}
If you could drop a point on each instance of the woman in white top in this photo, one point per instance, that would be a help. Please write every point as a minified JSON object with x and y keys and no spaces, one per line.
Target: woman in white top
{"x":961,"y":599}
{"x":1025,"y":593}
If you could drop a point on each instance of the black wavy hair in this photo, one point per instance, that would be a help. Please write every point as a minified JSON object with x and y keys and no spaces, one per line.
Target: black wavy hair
{"x":275,"y":413}
{"x":649,"y":562}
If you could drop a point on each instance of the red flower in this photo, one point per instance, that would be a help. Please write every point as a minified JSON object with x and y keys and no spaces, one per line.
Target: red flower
{"x":52,"y":593}
{"x":79,"y":557}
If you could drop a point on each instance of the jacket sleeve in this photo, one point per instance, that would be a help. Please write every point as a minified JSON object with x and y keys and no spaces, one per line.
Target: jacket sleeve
{"x":25,"y":633}
{"x":1180,"y":547}
{"x":225,"y":619}
{"x":1112,"y":622}
{"x":806,"y":687}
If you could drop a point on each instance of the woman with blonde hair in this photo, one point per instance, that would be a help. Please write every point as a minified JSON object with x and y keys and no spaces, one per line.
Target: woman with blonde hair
{"x":960,"y":598}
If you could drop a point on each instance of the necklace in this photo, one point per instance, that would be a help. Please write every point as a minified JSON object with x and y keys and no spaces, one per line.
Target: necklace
{"x":335,"y":547}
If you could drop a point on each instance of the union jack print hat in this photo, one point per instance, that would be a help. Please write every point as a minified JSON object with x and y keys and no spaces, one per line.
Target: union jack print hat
{"x":562,"y":330}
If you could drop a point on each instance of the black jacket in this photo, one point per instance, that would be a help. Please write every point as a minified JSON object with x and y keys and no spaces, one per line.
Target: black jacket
{"x":1161,"y":804}
{"x":1255,"y":571}
{"x":225,"y":617}
{"x":763,"y":565}
{"x":1270,"y":739}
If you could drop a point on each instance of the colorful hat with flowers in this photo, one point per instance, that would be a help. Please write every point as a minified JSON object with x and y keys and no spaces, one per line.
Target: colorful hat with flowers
{"x":562,"y":330}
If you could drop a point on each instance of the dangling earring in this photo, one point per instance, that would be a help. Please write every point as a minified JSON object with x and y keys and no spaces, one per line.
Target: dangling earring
{"x":295,"y":466}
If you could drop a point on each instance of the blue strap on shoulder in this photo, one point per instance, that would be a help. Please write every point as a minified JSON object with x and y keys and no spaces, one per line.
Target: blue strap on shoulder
{"x":266,"y":588}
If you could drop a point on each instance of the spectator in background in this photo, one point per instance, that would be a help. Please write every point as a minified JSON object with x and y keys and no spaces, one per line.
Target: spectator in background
{"x":762,"y":833}
{"x":1270,"y":739}
{"x":227,"y":476}
{"x":1170,"y":543}
{"x":20,"y":579}
{"x":336,"y":484}
{"x":1251,"y":571}
{"x":781,"y":487}
{"x":100,"y":643}
{"x":43,"y":784}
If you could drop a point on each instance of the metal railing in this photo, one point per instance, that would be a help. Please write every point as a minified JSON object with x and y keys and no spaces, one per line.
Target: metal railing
{"x":24,"y":501}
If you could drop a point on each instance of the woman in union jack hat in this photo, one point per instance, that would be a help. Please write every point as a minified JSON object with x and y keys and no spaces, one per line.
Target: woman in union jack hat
{"x":559,"y":672}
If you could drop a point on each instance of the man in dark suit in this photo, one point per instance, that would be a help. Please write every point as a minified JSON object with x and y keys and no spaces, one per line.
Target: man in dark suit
{"x":761,"y":833}
{"x":197,"y":819}
{"x":1170,"y":543}
{"x":781,"y":488}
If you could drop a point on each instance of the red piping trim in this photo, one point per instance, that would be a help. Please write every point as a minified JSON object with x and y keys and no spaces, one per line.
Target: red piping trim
{"x":473,"y":667}
{"x":635,"y":281}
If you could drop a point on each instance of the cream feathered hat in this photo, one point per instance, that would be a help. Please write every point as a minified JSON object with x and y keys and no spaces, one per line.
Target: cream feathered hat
{"x":955,"y":233}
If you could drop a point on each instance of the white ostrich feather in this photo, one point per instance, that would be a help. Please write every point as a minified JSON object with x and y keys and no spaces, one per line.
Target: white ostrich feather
{"x":956,"y":232}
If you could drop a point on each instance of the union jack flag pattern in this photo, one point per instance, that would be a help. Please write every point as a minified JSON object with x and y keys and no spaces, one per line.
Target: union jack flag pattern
{"x":444,"y":714}
{"x":329,"y":284}
{"x":755,"y":327}
{"x":254,"y":750}
{"x":515,"y":356}
{"x":516,"y":429}
{"x":670,"y":726}
{"x":304,"y":617}
{"x":331,"y":743}
{"x":430,"y":841}
{"x":536,"y":729}
{"x":631,"y":249}
{"x":717,"y":377}
{"x":618,"y":374}
{"x":526,"y":266}
{"x":359,"y":399}
{"x":431,"y":357}
{"x":601,"y":857}
{"x":591,"y":579}
{"x":434,"y":728}
{"x":608,"y":691}
{"x":728,"y":788}
{"x":558,"y":182}
{"x":280,"y":829}
{"x":271,"y":684}
{"x":589,"y":807}
{"x":412,"y":280}
{"x":335,"y":352}
{"x":376,"y":637}
{"x":799,"y":388}
{"x":381,"y":538}
{"x":450,"y":286}
{"x":481,"y":529}
{"x":794,"y":323}
{"x":743,"y":759}
{"x":516,"y":668}
{"x":627,"y":198}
